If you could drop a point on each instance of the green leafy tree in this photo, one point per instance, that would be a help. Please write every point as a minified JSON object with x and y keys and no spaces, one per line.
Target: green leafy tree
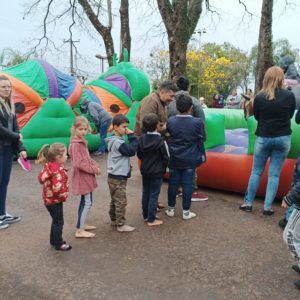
{"x":10,"y":57}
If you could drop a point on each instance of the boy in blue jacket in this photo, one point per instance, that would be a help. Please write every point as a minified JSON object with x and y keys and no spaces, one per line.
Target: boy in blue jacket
{"x":186,"y":146}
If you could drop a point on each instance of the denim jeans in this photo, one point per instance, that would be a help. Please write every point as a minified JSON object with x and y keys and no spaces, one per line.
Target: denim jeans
{"x":57,"y":215}
{"x":277,"y":149}
{"x":85,"y":205}
{"x":183,"y":177}
{"x":151,"y":190}
{"x":103,"y":134}
{"x":6,"y":158}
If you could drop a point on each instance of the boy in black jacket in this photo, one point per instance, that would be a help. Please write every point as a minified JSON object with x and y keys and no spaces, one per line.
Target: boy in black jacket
{"x":153,"y":152}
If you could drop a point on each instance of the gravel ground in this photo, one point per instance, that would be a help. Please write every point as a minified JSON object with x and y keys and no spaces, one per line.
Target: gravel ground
{"x":222,"y":254}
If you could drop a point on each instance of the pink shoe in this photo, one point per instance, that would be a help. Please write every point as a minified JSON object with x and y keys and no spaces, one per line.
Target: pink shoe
{"x":24,"y":163}
{"x":197,"y":197}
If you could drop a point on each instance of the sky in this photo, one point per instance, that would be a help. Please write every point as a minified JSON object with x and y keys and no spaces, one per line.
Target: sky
{"x":228,"y":26}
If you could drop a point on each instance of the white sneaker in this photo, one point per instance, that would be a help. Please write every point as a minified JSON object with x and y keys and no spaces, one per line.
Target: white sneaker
{"x":186,"y":215}
{"x":125,"y":228}
{"x":170,"y":212}
{"x":3,"y":225}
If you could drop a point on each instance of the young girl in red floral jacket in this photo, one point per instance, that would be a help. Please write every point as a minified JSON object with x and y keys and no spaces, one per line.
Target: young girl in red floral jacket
{"x":54,"y":179}
{"x":83,"y":174}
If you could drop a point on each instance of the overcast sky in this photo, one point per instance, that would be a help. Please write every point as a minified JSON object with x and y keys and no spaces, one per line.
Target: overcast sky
{"x":227,"y":27}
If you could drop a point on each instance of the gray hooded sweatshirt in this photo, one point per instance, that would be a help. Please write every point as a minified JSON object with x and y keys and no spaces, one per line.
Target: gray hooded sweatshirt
{"x":118,"y":162}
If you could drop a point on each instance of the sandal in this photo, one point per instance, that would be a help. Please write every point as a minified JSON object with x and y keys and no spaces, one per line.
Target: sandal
{"x":64,"y":247}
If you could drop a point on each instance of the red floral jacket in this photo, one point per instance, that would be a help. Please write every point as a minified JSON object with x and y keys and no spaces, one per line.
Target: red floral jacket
{"x":54,"y":179}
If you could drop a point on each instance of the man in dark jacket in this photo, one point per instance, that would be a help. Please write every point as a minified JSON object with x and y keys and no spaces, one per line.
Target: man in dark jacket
{"x":100,"y":117}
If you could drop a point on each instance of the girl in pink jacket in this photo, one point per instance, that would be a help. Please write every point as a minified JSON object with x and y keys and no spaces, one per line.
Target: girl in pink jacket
{"x":83,"y":174}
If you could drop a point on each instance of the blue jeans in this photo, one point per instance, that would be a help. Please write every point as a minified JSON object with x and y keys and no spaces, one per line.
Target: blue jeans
{"x":6,"y":158}
{"x":85,"y":205}
{"x":151,"y":190}
{"x":184,"y":178}
{"x":277,"y":149}
{"x":103,"y":134}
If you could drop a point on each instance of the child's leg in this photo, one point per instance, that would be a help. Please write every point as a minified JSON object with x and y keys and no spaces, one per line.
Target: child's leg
{"x":291,"y":235}
{"x":120,"y":201}
{"x":84,"y":207}
{"x":154,"y":191}
{"x":174,"y":183}
{"x":187,"y":187}
{"x":146,"y":196}
{"x":112,"y":189}
{"x":56,"y":212}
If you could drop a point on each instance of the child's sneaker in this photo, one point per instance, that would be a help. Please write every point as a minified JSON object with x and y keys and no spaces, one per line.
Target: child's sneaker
{"x":3,"y":225}
{"x":9,"y":219}
{"x":24,"y":163}
{"x":186,"y":215}
{"x":64,"y":247}
{"x":170,"y":212}
{"x":125,"y":228}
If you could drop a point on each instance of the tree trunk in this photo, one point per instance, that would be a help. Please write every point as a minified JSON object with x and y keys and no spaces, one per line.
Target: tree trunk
{"x":105,"y":32}
{"x":264,"y":51}
{"x":125,"y":29}
{"x":180,"y":18}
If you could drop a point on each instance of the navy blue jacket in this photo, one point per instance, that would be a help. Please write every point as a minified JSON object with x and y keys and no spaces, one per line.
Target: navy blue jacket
{"x":186,"y":142}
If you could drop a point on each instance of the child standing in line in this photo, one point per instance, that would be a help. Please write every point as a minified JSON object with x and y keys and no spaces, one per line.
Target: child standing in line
{"x":153,"y":152}
{"x":84,"y":170}
{"x":119,"y":169}
{"x":186,"y":145}
{"x":54,"y":179}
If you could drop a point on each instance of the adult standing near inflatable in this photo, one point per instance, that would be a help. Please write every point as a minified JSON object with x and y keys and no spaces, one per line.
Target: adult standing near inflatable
{"x":156,"y":103}
{"x":273,"y":109}
{"x":10,"y":144}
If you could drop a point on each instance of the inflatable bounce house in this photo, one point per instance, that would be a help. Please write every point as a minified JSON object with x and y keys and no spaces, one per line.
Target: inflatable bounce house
{"x":230,"y":146}
{"x":48,"y":100}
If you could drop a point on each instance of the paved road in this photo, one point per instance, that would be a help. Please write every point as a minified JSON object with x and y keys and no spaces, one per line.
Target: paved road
{"x":222,"y":254}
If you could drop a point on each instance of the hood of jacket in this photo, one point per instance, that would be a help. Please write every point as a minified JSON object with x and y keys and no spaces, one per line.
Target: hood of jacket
{"x":285,"y":61}
{"x":149,"y":142}
{"x":51,"y":169}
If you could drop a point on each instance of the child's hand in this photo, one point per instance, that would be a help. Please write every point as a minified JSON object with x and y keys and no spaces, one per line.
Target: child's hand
{"x":283,"y":204}
{"x":128,"y":131}
{"x":98,"y":171}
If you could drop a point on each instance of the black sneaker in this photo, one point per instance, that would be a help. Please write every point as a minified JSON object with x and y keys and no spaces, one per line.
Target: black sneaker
{"x":268,"y":212}
{"x":282,"y":223}
{"x":246,"y":208}
{"x":9,"y":219}
{"x":296,"y":268}
{"x":297,"y":284}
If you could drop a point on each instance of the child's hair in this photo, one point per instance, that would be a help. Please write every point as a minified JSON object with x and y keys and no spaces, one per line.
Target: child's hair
{"x":183,"y":103}
{"x":79,"y":120}
{"x":119,"y":119}
{"x":183,"y":83}
{"x":49,"y":153}
{"x":114,"y":108}
{"x":150,"y":122}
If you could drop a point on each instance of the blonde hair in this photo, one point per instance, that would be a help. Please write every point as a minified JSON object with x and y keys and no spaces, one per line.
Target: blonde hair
{"x":80,"y":120}
{"x":49,"y":153}
{"x":8,"y":102}
{"x":274,"y":78}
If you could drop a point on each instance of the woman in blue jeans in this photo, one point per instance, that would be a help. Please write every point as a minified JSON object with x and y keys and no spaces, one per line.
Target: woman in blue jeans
{"x":10,"y":144}
{"x":273,"y":109}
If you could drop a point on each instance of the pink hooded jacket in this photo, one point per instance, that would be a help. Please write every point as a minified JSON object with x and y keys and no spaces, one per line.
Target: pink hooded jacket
{"x":83,"y":168}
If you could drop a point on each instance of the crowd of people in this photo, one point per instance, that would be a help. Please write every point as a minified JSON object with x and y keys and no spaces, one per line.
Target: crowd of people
{"x":169,"y":134}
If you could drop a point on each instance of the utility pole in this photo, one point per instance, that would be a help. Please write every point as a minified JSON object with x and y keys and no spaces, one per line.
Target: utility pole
{"x":102,"y":58}
{"x":200,"y":32}
{"x":71,"y":41}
